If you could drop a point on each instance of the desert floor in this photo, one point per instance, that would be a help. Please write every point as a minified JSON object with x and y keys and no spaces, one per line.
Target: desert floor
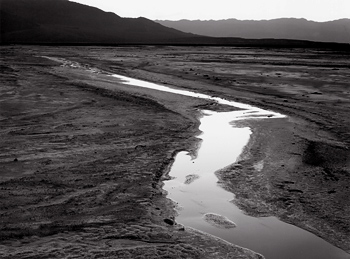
{"x":83,"y":156}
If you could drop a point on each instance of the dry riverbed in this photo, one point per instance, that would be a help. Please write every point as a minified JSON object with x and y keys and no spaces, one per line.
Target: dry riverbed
{"x":82,"y":156}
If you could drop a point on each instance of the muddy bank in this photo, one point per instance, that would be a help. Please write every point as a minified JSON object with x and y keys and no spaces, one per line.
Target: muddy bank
{"x":283,"y":174}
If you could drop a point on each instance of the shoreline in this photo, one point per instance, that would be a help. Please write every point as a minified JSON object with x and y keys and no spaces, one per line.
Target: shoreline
{"x":281,"y":190}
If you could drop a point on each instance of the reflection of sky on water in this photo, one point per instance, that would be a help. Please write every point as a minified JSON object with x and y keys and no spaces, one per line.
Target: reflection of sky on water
{"x":136,"y":82}
{"x":219,"y":137}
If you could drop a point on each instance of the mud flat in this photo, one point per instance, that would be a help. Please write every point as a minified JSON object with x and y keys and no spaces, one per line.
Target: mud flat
{"x":81,"y":160}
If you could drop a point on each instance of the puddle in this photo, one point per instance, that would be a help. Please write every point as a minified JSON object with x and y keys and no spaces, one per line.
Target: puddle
{"x":204,"y":205}
{"x":267,"y":235}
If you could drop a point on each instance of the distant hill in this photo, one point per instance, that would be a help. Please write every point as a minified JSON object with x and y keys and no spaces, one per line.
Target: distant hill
{"x":62,"y":21}
{"x":285,"y":28}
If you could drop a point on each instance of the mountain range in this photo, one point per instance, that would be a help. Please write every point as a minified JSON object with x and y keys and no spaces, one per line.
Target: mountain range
{"x":65,"y":22}
{"x":284,"y":28}
{"x":62,"y":21}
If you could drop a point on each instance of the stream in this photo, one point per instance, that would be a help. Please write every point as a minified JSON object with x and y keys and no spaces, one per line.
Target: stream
{"x":205,"y":206}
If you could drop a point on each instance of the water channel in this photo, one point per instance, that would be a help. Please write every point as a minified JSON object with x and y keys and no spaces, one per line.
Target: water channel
{"x":194,"y":185}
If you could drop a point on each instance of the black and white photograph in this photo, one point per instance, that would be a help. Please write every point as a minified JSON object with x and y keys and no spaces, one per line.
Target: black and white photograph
{"x":175,"y":129}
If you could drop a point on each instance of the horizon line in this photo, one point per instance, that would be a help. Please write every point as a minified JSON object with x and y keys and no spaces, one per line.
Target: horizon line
{"x":226,"y":19}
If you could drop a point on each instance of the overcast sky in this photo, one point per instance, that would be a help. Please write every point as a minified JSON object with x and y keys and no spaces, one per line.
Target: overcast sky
{"x":316,"y":10}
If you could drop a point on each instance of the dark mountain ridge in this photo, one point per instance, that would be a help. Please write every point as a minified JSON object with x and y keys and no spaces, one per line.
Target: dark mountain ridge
{"x":62,"y":22}
{"x":54,"y":21}
{"x":284,"y":28}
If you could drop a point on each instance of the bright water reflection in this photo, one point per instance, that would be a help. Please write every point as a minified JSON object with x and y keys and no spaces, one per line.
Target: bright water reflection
{"x":248,"y":108}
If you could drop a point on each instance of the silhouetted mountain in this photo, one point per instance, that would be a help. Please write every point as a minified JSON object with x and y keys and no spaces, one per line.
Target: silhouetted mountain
{"x":285,"y":28}
{"x":62,"y":22}
{"x":54,"y":21}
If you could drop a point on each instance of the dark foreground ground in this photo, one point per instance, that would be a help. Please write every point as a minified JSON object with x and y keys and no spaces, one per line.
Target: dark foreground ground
{"x":82,"y":156}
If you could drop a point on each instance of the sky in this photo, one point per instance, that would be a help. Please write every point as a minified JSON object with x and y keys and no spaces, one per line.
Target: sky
{"x":315,"y":10}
